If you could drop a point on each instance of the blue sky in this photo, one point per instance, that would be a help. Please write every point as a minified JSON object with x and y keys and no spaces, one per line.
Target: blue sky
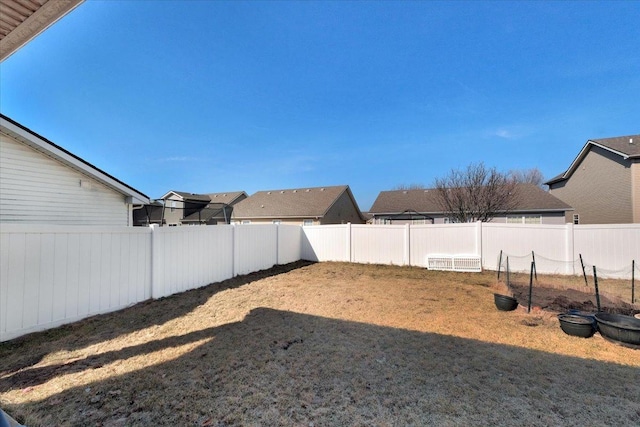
{"x":212,"y":96}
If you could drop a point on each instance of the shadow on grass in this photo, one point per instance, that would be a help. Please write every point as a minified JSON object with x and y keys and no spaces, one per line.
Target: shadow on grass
{"x":108,"y":326}
{"x":284,"y":368}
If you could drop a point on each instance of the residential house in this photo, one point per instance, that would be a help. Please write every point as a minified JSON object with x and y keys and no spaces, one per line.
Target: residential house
{"x":42,"y":183}
{"x":534,"y":206}
{"x":303,"y":206}
{"x":603,"y":182}
{"x":182,"y":208}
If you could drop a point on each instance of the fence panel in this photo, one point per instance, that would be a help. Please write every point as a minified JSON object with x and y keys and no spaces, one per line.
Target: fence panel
{"x":289,"y":243}
{"x":53,"y":275}
{"x":255,"y":247}
{"x":379,"y":244}
{"x":326,"y":243}
{"x":611,"y":248}
{"x":443,"y":239}
{"x":190,"y":257}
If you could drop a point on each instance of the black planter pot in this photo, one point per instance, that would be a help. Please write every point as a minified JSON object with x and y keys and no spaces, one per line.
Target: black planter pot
{"x":619,"y":328}
{"x":577,"y":326}
{"x":505,"y":302}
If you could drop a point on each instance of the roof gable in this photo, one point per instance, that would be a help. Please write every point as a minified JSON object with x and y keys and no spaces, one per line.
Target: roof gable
{"x":627,"y":147}
{"x":48,"y":148}
{"x":290,"y":203}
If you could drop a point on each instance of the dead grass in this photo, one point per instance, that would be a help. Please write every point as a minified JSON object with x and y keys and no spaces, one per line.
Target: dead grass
{"x":322,"y":344}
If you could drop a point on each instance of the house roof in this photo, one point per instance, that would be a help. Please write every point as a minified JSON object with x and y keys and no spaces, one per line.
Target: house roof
{"x":531,"y":198}
{"x":627,"y":147}
{"x":227,"y":198}
{"x":48,"y":148}
{"x":22,"y":20}
{"x":291,"y":203}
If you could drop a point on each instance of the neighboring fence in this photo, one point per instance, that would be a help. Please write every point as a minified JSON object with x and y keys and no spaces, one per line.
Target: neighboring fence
{"x":557,"y":248}
{"x":50,"y":276}
{"x":55,"y":275}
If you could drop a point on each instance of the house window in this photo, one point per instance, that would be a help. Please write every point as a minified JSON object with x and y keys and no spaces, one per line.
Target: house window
{"x":173,"y":205}
{"x":532,"y":219}
{"x":307,"y":222}
{"x":524,"y":219}
{"x":276,"y":221}
{"x":576,"y":219}
{"x":246,"y":221}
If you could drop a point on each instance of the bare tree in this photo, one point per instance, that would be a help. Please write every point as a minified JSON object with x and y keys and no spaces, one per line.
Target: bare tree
{"x":409,"y":187}
{"x":476,"y":193}
{"x":527,"y":176}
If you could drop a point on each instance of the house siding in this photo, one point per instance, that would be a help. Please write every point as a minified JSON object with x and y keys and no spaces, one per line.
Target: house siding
{"x":35,"y":188}
{"x":342,"y":212}
{"x":599,"y":189}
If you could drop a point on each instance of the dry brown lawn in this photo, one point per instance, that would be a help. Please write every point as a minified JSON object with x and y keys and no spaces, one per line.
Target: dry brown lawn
{"x":327,"y":344}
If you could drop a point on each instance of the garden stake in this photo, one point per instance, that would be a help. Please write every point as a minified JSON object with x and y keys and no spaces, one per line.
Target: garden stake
{"x":499,"y":264}
{"x":584,"y":273}
{"x":595,"y":280}
{"x":535,"y":271}
{"x":507,"y":272}
{"x":531,"y":284}
{"x":633,"y":281}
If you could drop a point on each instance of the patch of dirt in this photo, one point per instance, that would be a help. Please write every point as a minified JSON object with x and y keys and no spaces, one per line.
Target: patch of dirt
{"x":562,"y":300}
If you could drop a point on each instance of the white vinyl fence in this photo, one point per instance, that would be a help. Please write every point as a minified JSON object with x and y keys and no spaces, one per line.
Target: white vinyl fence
{"x":50,"y":275}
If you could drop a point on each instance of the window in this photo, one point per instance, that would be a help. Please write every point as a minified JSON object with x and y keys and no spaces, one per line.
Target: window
{"x":524,"y":219}
{"x":173,"y":205}
{"x":246,"y":221}
{"x":576,"y":218}
{"x":307,"y":222}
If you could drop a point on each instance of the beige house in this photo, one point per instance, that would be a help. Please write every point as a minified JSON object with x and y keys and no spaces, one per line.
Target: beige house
{"x":602,"y":184}
{"x":302,"y":206}
{"x":534,"y":206}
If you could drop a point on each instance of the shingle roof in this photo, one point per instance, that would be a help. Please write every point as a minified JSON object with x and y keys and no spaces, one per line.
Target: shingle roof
{"x":622,"y":144}
{"x":626,"y":146}
{"x":530,"y":198}
{"x":291,"y":203}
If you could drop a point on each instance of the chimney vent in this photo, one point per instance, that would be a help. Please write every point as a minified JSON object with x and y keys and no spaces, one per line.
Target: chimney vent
{"x":630,"y":140}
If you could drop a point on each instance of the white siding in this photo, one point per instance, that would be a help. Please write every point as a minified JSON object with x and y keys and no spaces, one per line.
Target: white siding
{"x":36,"y":189}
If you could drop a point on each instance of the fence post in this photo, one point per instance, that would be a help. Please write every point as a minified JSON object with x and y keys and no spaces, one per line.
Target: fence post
{"x":407,"y":244}
{"x":277,"y":244}
{"x":155,"y":263}
{"x":348,"y":242}
{"x":570,"y":249}
{"x":234,"y":250}
{"x":479,"y":242}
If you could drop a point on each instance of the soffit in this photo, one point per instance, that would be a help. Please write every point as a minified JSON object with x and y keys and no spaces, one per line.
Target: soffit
{"x":22,"y":20}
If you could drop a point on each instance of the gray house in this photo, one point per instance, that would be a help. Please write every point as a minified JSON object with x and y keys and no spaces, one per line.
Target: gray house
{"x":535,"y":206}
{"x":302,"y":206}
{"x":603,"y":182}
